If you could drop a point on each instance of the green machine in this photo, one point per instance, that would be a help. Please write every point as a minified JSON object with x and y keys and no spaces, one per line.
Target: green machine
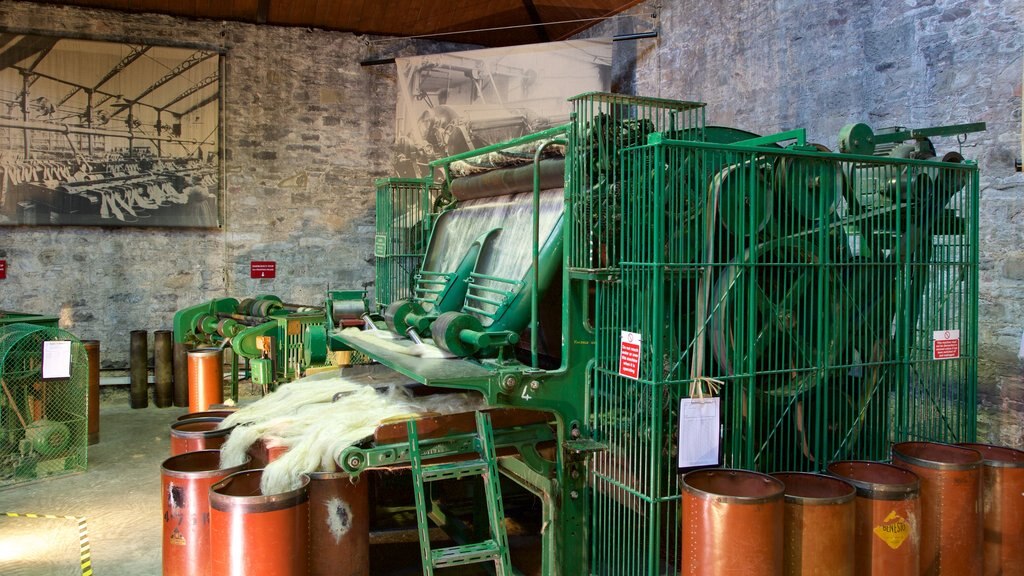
{"x":279,"y":340}
{"x":8,"y":317}
{"x":829,"y":298}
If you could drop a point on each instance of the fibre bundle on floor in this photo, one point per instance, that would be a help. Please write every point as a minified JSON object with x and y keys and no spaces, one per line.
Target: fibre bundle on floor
{"x":317,"y":424}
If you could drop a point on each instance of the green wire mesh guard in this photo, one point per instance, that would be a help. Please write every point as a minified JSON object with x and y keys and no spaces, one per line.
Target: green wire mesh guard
{"x":43,"y":423}
{"x":817,"y":287}
{"x":404,"y":218}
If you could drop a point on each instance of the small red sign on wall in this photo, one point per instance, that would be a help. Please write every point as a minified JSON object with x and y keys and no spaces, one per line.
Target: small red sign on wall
{"x":3,"y":269}
{"x":262,"y":269}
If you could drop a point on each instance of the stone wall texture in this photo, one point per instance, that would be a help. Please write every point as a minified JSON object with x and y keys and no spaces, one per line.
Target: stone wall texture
{"x":308,"y":129}
{"x":773,"y":66}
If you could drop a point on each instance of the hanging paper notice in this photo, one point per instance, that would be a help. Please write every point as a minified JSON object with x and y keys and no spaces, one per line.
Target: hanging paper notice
{"x":629,"y":355}
{"x":945,"y":344}
{"x":698,"y":432}
{"x":56,"y":359}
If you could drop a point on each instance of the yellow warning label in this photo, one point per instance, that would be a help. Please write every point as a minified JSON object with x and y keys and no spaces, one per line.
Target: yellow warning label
{"x":893,"y":530}
{"x":177,"y":538}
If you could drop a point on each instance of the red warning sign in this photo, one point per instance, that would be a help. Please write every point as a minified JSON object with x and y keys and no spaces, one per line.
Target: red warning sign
{"x":945,"y":344}
{"x":262,"y":269}
{"x":629,"y":355}
{"x":3,"y":269}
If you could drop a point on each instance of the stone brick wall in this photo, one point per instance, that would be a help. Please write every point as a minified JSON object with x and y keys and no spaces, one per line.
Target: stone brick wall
{"x":772,"y":66}
{"x":307,"y":131}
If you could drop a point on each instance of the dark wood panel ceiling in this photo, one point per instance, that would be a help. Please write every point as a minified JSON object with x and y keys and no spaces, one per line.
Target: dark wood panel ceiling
{"x":483,"y":22}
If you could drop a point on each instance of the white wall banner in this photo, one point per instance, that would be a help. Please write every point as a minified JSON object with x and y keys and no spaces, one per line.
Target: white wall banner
{"x":459,"y":101}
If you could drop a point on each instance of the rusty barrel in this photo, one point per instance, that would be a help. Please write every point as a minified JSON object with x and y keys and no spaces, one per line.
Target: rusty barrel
{"x":92,"y":352}
{"x":197,"y":434}
{"x":186,"y":481}
{"x":163,"y":369}
{"x":820,"y":521}
{"x":138,"y":362}
{"x":256,"y":533}
{"x":205,"y":378}
{"x":732,"y":523}
{"x":888,"y":532}
{"x":1002,"y":496}
{"x":339,"y":525}
{"x":218,"y":413}
{"x":951,"y":523}
{"x":179,"y":359}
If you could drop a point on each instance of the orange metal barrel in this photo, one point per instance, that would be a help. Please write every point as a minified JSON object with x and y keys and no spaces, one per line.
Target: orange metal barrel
{"x":1002,"y":480}
{"x":262,"y":455}
{"x":205,"y":378}
{"x":253,"y":533}
{"x":888,"y":533}
{"x":820,"y":522}
{"x":219,"y":413}
{"x":92,"y":351}
{"x":186,"y":480}
{"x":951,"y":519}
{"x":732,"y":523}
{"x":197,"y":434}
{"x":339,"y":525}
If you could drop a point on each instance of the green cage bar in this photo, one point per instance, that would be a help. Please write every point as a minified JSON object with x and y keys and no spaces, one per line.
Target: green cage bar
{"x":823,"y":290}
{"x":404,"y":220}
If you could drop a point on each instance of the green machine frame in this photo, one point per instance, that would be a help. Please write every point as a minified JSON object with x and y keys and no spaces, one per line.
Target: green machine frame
{"x":813,"y":286}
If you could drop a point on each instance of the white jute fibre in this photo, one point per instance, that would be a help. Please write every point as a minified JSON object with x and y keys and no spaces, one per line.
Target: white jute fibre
{"x":314,"y":430}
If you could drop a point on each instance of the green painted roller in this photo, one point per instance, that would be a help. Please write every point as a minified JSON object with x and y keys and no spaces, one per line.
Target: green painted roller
{"x":47,"y":437}
{"x":464,"y":335}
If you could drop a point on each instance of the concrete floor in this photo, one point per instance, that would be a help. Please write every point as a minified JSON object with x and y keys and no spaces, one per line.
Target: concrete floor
{"x":119,"y":497}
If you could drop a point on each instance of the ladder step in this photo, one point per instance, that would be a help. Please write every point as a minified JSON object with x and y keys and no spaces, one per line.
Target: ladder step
{"x":453,"y":470}
{"x":476,"y":553}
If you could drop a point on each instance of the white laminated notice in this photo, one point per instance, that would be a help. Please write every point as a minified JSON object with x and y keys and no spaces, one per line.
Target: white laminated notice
{"x":56,"y":359}
{"x":699,"y":431}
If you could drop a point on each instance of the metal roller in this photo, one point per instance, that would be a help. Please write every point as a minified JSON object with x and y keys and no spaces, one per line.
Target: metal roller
{"x":346,"y":310}
{"x":139,"y":364}
{"x":509,"y":181}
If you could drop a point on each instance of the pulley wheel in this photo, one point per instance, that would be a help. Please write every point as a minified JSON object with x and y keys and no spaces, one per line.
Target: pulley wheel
{"x":744,"y":199}
{"x":810,"y":186}
{"x":446,"y":330}
{"x":314,"y":345}
{"x":396,"y":314}
{"x":784,"y":323}
{"x":857,"y":139}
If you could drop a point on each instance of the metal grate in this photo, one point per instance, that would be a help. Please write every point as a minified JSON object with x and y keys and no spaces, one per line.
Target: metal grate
{"x":43,"y":423}
{"x":404,"y":220}
{"x":814,"y":285}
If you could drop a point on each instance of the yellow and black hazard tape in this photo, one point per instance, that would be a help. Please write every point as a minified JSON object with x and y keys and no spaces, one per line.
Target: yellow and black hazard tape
{"x":85,"y":554}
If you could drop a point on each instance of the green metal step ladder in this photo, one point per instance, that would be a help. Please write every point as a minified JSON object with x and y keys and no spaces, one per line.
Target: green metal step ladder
{"x":494,"y":549}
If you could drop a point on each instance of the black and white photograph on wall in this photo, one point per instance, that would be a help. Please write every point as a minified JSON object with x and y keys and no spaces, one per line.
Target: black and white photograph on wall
{"x":459,"y":101}
{"x":97,"y":133}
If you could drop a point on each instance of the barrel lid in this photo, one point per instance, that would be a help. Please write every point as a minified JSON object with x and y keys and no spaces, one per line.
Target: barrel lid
{"x":204,"y":351}
{"x":198,"y":464}
{"x":241,"y":492}
{"x":936,"y":456}
{"x":997,"y":456}
{"x":733,"y":486}
{"x":815,"y":489}
{"x":876,"y":479}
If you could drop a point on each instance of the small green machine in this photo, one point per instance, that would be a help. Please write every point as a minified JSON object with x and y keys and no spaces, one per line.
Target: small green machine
{"x":279,"y":340}
{"x":829,"y":297}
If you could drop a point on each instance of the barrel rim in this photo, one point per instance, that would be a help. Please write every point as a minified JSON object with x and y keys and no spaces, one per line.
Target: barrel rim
{"x":877,"y":490}
{"x":935,"y":464}
{"x":993,"y":463}
{"x":705,"y":495}
{"x":260,"y":503}
{"x":164,"y":470}
{"x":206,"y":351}
{"x":214,"y":433}
{"x":334,"y":475}
{"x":195,"y":415}
{"x":850,"y":496}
